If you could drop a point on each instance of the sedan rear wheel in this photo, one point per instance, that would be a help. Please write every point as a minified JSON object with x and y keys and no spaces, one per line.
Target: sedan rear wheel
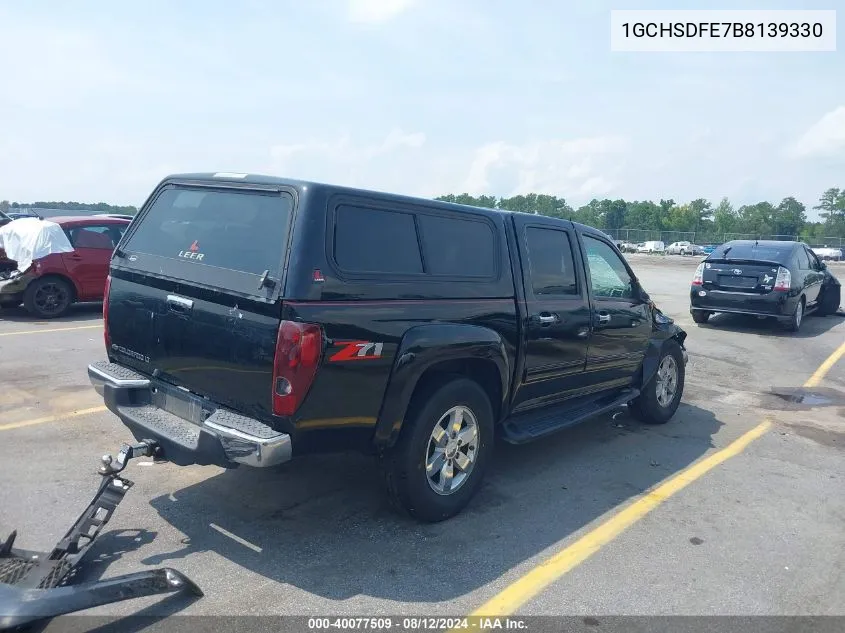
{"x":794,"y":323}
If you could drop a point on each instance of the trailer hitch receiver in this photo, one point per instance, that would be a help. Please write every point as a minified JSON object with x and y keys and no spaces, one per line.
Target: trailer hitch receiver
{"x":40,"y":585}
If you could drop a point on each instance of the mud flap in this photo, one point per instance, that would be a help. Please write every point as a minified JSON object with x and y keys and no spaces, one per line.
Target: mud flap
{"x":39,"y":585}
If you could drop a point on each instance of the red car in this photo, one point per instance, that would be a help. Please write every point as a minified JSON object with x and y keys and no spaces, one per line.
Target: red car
{"x":52,"y":283}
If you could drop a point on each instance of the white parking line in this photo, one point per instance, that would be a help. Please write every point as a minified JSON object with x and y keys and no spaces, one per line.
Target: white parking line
{"x":236,"y":538}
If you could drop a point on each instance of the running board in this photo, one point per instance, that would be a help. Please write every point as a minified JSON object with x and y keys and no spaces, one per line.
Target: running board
{"x":528,"y":427}
{"x":39,"y":585}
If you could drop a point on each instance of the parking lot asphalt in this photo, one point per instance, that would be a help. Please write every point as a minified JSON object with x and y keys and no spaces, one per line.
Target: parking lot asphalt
{"x":758,"y":533}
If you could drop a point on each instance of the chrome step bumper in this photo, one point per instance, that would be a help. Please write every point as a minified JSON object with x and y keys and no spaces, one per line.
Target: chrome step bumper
{"x":200,"y":432}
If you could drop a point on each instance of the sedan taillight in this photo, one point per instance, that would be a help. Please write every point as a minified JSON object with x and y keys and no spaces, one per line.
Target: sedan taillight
{"x":784,"y":279}
{"x":698,"y":277}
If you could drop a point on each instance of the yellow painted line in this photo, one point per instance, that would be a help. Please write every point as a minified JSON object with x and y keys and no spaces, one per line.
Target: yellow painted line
{"x":528,"y":586}
{"x":51,"y":418}
{"x":825,"y":367}
{"x":518,"y":593}
{"x":54,"y":329}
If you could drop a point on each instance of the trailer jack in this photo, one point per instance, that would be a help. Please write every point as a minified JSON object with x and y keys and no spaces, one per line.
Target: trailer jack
{"x":38,"y":586}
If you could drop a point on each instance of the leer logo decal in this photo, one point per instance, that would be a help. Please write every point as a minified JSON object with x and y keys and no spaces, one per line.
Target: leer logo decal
{"x":357,"y":350}
{"x":192,"y":252}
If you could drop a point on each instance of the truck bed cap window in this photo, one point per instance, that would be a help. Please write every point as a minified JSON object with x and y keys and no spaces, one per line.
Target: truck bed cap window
{"x":244,"y":231}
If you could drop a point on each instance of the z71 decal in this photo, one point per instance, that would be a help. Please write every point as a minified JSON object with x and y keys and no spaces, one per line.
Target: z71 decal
{"x":357,"y":350}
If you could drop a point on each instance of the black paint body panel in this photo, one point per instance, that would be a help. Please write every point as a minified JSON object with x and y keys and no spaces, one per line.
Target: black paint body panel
{"x":222,"y":347}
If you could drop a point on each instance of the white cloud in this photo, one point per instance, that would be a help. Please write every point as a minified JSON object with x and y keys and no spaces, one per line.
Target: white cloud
{"x":580,"y":168}
{"x":344,"y":150}
{"x":392,"y":163}
{"x":376,"y":11}
{"x":826,"y":137}
{"x":403,"y":162}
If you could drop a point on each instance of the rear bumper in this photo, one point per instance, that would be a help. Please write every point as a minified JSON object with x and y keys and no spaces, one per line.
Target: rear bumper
{"x":202,"y":433}
{"x":774,"y":304}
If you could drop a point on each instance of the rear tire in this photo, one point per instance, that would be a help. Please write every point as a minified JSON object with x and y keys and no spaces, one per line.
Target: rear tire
{"x":661,"y":397}
{"x":701,"y":316}
{"x":427,"y":440}
{"x":797,"y":318}
{"x":48,"y":297}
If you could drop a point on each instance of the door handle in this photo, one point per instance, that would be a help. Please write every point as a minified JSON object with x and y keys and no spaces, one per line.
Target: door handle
{"x":74,"y":256}
{"x":179,"y":304}
{"x":604,"y":318}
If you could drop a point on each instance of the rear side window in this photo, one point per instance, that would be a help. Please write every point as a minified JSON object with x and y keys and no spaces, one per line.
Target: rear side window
{"x":376,"y":241}
{"x":244,"y":231}
{"x":103,"y":237}
{"x":551,"y":264}
{"x":458,"y":247}
{"x":803,"y":259}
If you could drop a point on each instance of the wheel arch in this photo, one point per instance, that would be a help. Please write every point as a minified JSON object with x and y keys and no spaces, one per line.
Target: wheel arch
{"x":433,"y":354}
{"x":75,"y":290}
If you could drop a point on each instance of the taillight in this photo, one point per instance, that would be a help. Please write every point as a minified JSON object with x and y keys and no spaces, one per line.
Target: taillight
{"x":298,"y":350}
{"x":106,"y":335}
{"x":784,"y":279}
{"x":698,"y":277}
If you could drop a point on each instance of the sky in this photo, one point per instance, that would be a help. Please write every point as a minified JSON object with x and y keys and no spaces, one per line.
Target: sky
{"x":100,"y":100}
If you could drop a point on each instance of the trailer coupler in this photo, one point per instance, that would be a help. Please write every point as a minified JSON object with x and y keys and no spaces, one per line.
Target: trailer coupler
{"x":40,"y":585}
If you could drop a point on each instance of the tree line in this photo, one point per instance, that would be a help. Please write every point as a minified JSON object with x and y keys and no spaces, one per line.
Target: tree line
{"x":99,"y":207}
{"x":709,"y":222}
{"x":788,"y":218}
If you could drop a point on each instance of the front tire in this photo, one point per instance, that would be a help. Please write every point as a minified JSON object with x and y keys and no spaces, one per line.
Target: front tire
{"x":48,"y":297}
{"x":439,"y":461}
{"x":661,"y":397}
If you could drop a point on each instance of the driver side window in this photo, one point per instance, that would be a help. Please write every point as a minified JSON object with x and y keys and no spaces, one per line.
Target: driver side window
{"x":608,"y":274}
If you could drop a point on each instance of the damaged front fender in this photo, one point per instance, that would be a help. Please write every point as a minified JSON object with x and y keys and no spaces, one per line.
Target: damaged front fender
{"x":15,"y":285}
{"x":663,"y":328}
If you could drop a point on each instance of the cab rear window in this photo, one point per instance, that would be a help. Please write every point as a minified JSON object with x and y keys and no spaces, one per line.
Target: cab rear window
{"x":244,"y":231}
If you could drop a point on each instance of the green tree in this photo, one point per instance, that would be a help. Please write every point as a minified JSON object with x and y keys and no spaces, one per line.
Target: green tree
{"x":682,"y":217}
{"x":588,"y":214}
{"x":643,"y":214}
{"x":725,"y":218}
{"x":789,"y":217}
{"x":831,"y":208}
{"x":473,"y":201}
{"x":541,"y":204}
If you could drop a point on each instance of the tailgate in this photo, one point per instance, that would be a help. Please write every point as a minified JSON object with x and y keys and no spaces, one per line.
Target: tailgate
{"x":740,"y":276}
{"x":195,"y":289}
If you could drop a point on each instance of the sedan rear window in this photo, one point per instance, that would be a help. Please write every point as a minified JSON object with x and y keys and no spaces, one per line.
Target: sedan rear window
{"x":752,"y":252}
{"x":237,"y":230}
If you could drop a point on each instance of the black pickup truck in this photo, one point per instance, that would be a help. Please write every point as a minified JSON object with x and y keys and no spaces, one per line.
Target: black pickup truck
{"x":251,"y":319}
